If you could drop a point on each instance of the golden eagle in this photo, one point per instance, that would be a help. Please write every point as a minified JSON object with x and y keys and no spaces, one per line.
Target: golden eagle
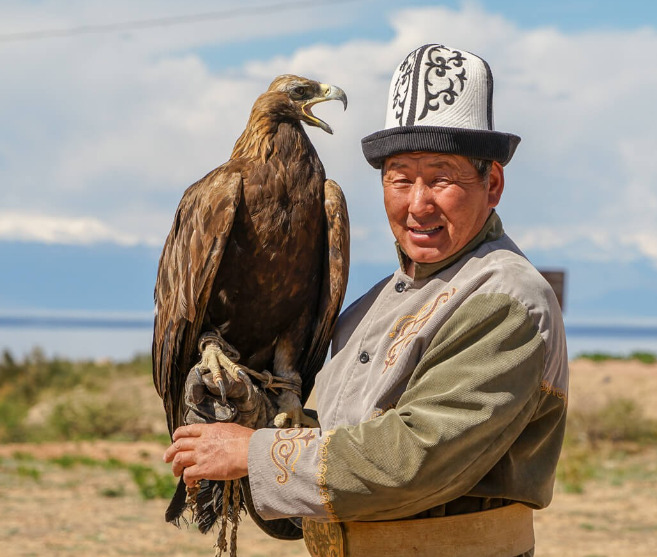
{"x":258,"y":255}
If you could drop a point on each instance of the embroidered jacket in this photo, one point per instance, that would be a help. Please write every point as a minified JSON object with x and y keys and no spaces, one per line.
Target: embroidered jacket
{"x":445,"y":393}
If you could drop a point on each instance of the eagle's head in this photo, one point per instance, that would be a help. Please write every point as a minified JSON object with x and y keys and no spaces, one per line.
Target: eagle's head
{"x":291,"y":96}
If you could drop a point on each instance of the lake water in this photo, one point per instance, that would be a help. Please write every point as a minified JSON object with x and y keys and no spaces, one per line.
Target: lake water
{"x":77,"y":343}
{"x":122,"y":338}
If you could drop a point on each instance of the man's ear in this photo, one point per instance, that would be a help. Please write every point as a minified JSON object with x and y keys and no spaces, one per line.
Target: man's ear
{"x":495,"y":184}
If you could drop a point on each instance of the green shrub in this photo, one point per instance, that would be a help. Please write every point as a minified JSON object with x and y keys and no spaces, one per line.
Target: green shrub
{"x":575,"y":468}
{"x":141,"y":364}
{"x":597,"y":356}
{"x":28,"y":472}
{"x":644,"y":357}
{"x":621,"y":420}
{"x":599,"y":436}
{"x":151,"y":483}
{"x":46,"y":400}
{"x":118,"y":491}
{"x":12,"y":416}
{"x":88,"y":417}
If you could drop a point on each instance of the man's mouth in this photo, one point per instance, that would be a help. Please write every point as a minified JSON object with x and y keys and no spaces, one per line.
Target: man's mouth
{"x":426,"y":230}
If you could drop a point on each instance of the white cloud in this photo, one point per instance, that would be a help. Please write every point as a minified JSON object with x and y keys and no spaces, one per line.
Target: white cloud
{"x":49,"y":229}
{"x":109,"y":130}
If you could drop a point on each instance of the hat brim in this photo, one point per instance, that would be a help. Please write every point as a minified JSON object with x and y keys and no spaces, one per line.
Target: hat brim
{"x":480,"y":144}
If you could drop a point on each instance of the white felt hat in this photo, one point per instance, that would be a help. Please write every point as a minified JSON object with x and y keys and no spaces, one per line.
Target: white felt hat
{"x":440,"y":100}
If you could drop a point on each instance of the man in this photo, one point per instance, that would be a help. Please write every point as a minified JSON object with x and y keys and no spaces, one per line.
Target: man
{"x":444,"y":402}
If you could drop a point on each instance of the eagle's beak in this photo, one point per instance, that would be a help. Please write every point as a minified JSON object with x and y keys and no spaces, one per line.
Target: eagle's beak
{"x":327,"y":93}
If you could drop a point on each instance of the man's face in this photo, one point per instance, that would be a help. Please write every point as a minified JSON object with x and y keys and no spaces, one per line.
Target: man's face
{"x":437,"y":203}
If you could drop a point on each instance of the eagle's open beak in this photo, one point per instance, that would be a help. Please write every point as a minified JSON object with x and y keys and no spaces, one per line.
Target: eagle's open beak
{"x":327,"y":93}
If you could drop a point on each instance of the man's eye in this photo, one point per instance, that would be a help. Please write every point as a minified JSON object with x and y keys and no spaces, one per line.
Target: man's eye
{"x":398,"y":180}
{"x":441,"y":182}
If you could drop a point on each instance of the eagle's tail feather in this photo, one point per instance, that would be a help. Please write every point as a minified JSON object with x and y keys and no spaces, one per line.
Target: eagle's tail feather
{"x":209,"y":502}
{"x":178,"y":505}
{"x":207,"y":507}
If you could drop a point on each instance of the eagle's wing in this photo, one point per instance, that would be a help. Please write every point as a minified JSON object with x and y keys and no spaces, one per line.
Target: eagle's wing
{"x":190,"y":259}
{"x":334,"y":283}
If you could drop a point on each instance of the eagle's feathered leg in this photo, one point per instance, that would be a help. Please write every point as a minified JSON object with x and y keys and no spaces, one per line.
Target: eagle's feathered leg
{"x":290,"y":411}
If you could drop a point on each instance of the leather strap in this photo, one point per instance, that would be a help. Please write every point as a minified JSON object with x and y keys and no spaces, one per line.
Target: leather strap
{"x":503,"y":532}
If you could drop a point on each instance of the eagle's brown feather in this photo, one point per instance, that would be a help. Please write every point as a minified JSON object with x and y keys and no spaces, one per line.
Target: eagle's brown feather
{"x":259,"y":248}
{"x":188,"y":266}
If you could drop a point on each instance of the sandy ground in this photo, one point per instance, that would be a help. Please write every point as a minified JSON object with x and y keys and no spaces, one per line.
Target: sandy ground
{"x":91,"y":511}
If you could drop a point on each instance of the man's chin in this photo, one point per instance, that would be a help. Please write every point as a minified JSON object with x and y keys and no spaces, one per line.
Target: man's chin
{"x":423,"y":255}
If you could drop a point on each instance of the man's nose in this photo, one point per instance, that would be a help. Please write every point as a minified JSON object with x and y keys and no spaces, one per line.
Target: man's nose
{"x":421,"y":200}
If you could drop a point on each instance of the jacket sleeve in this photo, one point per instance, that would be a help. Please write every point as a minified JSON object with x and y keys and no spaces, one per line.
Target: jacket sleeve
{"x":467,"y":401}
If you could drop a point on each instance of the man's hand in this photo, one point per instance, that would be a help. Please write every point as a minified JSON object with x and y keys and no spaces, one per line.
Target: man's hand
{"x":217,"y":451}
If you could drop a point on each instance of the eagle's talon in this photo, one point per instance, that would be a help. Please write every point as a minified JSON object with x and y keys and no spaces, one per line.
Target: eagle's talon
{"x":294,"y":417}
{"x":244,"y":377}
{"x":220,"y":385}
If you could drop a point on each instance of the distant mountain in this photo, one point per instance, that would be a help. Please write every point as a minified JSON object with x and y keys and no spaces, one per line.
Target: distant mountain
{"x":111,"y":278}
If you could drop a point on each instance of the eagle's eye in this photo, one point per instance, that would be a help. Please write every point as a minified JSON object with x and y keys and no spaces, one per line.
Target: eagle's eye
{"x":299,"y":91}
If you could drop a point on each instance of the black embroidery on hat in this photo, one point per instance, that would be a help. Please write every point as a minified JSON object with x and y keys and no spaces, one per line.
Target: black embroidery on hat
{"x":402,"y":86}
{"x":442,"y":83}
{"x":489,"y":83}
{"x":415,"y":84}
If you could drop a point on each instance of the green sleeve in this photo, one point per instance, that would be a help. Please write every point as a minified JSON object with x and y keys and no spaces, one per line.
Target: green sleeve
{"x":468,"y":399}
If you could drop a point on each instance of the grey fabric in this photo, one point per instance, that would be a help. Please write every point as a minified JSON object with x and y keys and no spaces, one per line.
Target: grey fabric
{"x":461,"y":373}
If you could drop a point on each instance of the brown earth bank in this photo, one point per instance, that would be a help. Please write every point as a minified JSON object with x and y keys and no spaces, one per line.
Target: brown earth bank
{"x":79,"y":508}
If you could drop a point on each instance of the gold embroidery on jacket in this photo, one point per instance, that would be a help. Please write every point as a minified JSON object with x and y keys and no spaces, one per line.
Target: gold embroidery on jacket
{"x":286,"y":449}
{"x":324,"y":495}
{"x":381,"y":411}
{"x":554,"y":391}
{"x":407,"y":327}
{"x":376,"y":413}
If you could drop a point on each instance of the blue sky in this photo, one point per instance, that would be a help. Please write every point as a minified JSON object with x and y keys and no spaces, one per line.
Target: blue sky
{"x":101,"y":132}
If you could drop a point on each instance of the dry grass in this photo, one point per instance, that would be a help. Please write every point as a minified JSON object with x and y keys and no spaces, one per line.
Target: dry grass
{"x":82,"y":496}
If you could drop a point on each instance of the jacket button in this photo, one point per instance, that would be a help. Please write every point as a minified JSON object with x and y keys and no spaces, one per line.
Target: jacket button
{"x":399,"y":287}
{"x":364,"y":357}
